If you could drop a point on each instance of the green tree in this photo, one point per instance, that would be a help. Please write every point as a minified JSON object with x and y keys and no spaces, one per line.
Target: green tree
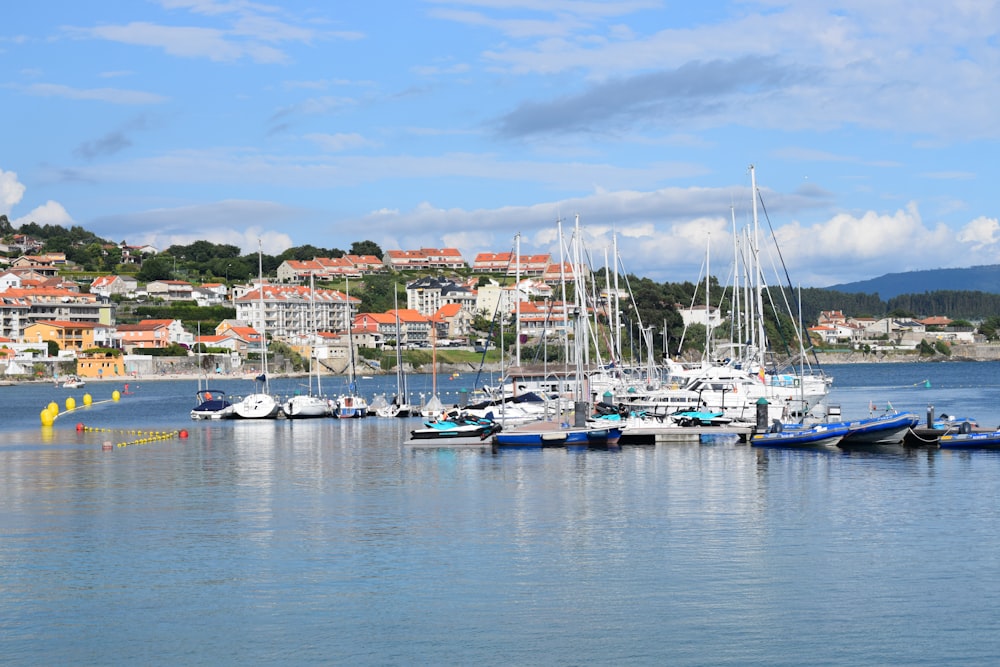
{"x":377,"y":293}
{"x":156,"y":268}
{"x":366,"y":248}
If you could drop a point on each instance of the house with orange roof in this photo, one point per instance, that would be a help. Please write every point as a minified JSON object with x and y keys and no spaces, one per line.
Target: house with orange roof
{"x":493,"y":262}
{"x":246,"y":338}
{"x":539,"y":318}
{"x":59,"y":304}
{"x":425,"y":258}
{"x":152,"y":334}
{"x":74,"y":336}
{"x":216,"y":341}
{"x":414,"y":328}
{"x":556,"y":273}
{"x":37,"y":263}
{"x":328,"y":268}
{"x":366,"y":263}
{"x":451,"y":321}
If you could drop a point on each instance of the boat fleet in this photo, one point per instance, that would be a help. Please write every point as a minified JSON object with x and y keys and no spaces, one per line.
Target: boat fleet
{"x":736,"y":388}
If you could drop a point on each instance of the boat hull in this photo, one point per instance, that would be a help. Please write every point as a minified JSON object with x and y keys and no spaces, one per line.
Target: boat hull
{"x":257,"y":406}
{"x":351,"y":407}
{"x":212,"y":404}
{"x":823,"y":435}
{"x":988,"y":440}
{"x":306,"y":407}
{"x":885,"y":430}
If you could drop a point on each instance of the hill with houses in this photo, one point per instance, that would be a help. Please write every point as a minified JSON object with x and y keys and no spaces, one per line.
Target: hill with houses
{"x":57,"y":295}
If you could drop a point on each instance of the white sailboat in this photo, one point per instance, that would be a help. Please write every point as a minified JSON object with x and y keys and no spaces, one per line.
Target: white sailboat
{"x":398,"y":407}
{"x":304,"y":406}
{"x":260,"y":404}
{"x":351,"y":405}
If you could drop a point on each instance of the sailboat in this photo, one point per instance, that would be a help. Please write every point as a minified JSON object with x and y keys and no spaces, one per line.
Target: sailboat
{"x":260,"y":404}
{"x":398,"y":407}
{"x":351,"y":405}
{"x":433,"y":407}
{"x":302,"y":406}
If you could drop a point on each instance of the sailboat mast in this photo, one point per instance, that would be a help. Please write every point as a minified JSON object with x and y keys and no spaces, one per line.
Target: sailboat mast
{"x":618,"y":311}
{"x":263,"y":319}
{"x":400,"y":381}
{"x":735,"y":324}
{"x":708,"y":298}
{"x":313,"y":328}
{"x":350,"y":334}
{"x":565,"y":306}
{"x":757,"y":271}
{"x":517,"y":300}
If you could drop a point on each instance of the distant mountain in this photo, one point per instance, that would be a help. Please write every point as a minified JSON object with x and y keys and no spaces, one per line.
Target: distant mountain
{"x":973,"y":279}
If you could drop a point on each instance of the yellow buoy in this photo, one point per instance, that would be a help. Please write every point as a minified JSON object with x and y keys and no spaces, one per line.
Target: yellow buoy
{"x":87,"y":400}
{"x":116,"y":395}
{"x":54,"y":407}
{"x":70,"y":403}
{"x":46,"y":417}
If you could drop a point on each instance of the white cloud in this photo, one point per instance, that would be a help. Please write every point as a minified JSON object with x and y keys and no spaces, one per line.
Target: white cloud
{"x":981,"y":234}
{"x":11,"y":191}
{"x":49,"y":213}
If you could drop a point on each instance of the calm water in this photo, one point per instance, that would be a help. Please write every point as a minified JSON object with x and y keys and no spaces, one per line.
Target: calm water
{"x":327,"y":542}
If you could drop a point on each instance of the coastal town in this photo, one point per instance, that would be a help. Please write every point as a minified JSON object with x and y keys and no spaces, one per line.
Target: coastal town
{"x":57,"y":320}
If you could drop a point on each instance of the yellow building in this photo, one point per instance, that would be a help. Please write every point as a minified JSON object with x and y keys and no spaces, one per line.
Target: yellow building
{"x":100,"y":365}
{"x":68,"y":335}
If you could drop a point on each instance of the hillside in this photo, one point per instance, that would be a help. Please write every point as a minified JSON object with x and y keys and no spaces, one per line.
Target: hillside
{"x":972,"y":279}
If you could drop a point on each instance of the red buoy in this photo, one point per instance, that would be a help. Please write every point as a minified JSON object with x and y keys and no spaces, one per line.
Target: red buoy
{"x":183,"y":433}
{"x":79,"y":427}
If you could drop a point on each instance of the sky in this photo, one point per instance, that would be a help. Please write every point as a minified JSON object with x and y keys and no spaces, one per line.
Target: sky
{"x":872,"y":127}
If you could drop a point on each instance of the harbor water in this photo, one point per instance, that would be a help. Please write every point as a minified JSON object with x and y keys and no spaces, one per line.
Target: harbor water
{"x":330,"y":542}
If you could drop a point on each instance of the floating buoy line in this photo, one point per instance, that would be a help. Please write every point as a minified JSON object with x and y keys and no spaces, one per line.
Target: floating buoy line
{"x":50,"y":413}
{"x":143,"y":437}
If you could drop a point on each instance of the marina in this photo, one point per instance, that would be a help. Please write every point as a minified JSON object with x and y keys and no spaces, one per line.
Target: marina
{"x":332,"y":541}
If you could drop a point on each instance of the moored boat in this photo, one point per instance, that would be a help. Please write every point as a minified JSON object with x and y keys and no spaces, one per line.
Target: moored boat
{"x":212,"y":404}
{"x":351,"y":406}
{"x":456,"y":429}
{"x":982,"y":440}
{"x":882,"y":430}
{"x":818,"y":435}
{"x":73,"y":382}
{"x":304,"y":406}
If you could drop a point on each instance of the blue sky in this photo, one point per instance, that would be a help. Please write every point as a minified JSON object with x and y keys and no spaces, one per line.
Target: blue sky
{"x":872,"y":126}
